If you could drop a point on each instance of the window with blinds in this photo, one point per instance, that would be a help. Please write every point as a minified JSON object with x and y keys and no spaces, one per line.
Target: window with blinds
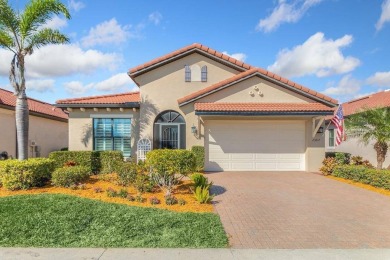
{"x":112,"y":134}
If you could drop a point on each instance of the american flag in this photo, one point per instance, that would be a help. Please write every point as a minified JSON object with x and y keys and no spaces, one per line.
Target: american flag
{"x":338,"y":121}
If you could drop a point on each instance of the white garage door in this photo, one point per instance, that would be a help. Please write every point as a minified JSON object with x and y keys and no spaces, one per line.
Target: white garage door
{"x":255,"y":145}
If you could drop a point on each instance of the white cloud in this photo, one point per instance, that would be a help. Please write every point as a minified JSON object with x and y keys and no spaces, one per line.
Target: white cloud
{"x":108,"y":32}
{"x":76,"y":88}
{"x":41,"y":86}
{"x":238,"y":56}
{"x":380,"y":79}
{"x":385,"y":15}
{"x":317,"y":55}
{"x":56,"y":22}
{"x":63,"y":60}
{"x":5,"y":62}
{"x":347,"y":86}
{"x":155,"y":18}
{"x":76,"y":5}
{"x":285,"y":12}
{"x":118,"y":83}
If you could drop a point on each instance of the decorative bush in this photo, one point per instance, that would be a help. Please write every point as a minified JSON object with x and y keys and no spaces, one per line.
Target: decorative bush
{"x":96,"y":161}
{"x":342,"y":158}
{"x":200,"y":181}
{"x":328,"y":165}
{"x":127,"y":173}
{"x":199,"y":154}
{"x":171,"y":161}
{"x":123,"y":193}
{"x":15,"y":174}
{"x":67,"y":176}
{"x":374,"y":177}
{"x":167,"y":182}
{"x":143,"y":183}
{"x":202,"y":194}
{"x":358,"y":160}
{"x":111,"y":192}
{"x":170,"y":200}
{"x":154,"y":200}
{"x":181,"y":202}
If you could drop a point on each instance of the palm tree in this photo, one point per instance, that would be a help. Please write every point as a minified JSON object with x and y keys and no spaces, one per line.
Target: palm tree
{"x":21,"y":33}
{"x":372,"y":125}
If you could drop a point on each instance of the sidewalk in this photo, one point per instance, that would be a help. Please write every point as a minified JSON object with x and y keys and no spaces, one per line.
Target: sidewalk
{"x":218,"y":254}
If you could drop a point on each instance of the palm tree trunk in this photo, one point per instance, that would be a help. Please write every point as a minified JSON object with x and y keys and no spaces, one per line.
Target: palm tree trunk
{"x":381,"y":151}
{"x":21,"y":115}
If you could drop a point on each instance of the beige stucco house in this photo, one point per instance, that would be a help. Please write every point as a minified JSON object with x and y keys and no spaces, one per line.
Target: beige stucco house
{"x":48,"y":126}
{"x":353,"y":145}
{"x":247,"y":118}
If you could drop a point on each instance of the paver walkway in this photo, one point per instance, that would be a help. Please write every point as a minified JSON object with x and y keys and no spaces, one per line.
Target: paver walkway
{"x":299,"y":210}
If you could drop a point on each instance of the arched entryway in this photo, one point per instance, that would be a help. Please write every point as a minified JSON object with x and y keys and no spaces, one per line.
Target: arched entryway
{"x":169,"y":131}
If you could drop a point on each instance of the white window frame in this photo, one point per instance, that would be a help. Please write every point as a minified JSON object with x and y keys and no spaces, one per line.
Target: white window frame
{"x":334,"y":140}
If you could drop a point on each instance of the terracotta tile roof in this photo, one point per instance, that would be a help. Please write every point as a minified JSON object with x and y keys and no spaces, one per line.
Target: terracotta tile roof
{"x":104,"y":99}
{"x":253,"y":71}
{"x":380,"y":99}
{"x":195,"y":47}
{"x":7,"y":98}
{"x":263,"y":107}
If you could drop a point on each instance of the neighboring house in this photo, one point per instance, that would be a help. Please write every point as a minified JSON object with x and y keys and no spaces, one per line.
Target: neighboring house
{"x":48,"y":126}
{"x":247,"y":118}
{"x":353,"y":145}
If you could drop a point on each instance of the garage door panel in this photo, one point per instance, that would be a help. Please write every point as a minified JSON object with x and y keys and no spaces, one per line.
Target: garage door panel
{"x":255,"y":145}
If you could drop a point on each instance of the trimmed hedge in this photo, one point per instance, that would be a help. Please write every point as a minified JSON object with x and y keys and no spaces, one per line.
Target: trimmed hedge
{"x":374,"y":177}
{"x":171,"y":161}
{"x":96,"y":161}
{"x":199,"y":154}
{"x":15,"y":174}
{"x":67,"y":176}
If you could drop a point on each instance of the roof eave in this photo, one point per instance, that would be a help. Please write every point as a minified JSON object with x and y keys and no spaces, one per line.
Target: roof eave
{"x":33,"y":113}
{"x":263,"y":113}
{"x":123,"y":105}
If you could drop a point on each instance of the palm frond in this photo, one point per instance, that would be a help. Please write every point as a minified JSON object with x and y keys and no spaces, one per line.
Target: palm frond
{"x":46,"y":36}
{"x":9,"y":21}
{"x":38,"y":12}
{"x":6,"y":41}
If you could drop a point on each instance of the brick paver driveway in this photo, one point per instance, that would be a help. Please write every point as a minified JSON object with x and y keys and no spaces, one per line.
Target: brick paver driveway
{"x":299,"y":210}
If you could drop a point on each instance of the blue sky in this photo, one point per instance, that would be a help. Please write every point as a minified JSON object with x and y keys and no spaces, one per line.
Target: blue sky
{"x":339,"y":48}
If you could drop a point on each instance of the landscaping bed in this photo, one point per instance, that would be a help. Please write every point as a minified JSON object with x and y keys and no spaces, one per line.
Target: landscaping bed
{"x":108,"y":181}
{"x":57,"y":220}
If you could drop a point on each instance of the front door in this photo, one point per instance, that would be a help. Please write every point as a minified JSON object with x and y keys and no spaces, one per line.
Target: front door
{"x":169,"y":136}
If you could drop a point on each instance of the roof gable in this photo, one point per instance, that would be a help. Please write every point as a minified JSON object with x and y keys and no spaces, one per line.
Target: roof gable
{"x":8,"y":99}
{"x":263,"y":74}
{"x":196,"y":47}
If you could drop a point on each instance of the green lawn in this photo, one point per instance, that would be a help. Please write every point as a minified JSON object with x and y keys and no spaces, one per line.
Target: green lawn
{"x":67,"y":221}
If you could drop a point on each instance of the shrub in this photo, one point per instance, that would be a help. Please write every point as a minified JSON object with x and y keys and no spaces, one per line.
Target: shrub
{"x":96,"y":161}
{"x":199,"y":155}
{"x":342,"y":158}
{"x":130,"y":197}
{"x":170,"y":200}
{"x":358,"y":160}
{"x":328,"y":165}
{"x":139,"y":198}
{"x":154,"y":200}
{"x":374,"y":177}
{"x":67,"y":176}
{"x":199,"y":180}
{"x":181,"y":202}
{"x":97,"y":190}
{"x":171,"y":161}
{"x":143,"y":183}
{"x":123,"y":193}
{"x":15,"y":174}
{"x":111,"y":192}
{"x":127,"y":173}
{"x":202,"y":194}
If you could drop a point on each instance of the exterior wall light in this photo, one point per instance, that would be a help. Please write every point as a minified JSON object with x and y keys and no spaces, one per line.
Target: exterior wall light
{"x":320,"y":130}
{"x":193,"y":129}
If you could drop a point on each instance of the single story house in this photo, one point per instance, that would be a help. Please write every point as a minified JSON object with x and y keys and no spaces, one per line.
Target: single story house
{"x":353,"y":145}
{"x":247,"y":118}
{"x":48,"y":126}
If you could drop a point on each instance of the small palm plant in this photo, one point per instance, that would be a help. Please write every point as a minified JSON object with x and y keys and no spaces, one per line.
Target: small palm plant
{"x":372,"y":125}
{"x":22,"y":33}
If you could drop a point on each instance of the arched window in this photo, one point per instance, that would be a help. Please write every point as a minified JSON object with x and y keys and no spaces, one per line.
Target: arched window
{"x":204,"y":73}
{"x":187,"y":73}
{"x":169,"y":131}
{"x":195,"y":73}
